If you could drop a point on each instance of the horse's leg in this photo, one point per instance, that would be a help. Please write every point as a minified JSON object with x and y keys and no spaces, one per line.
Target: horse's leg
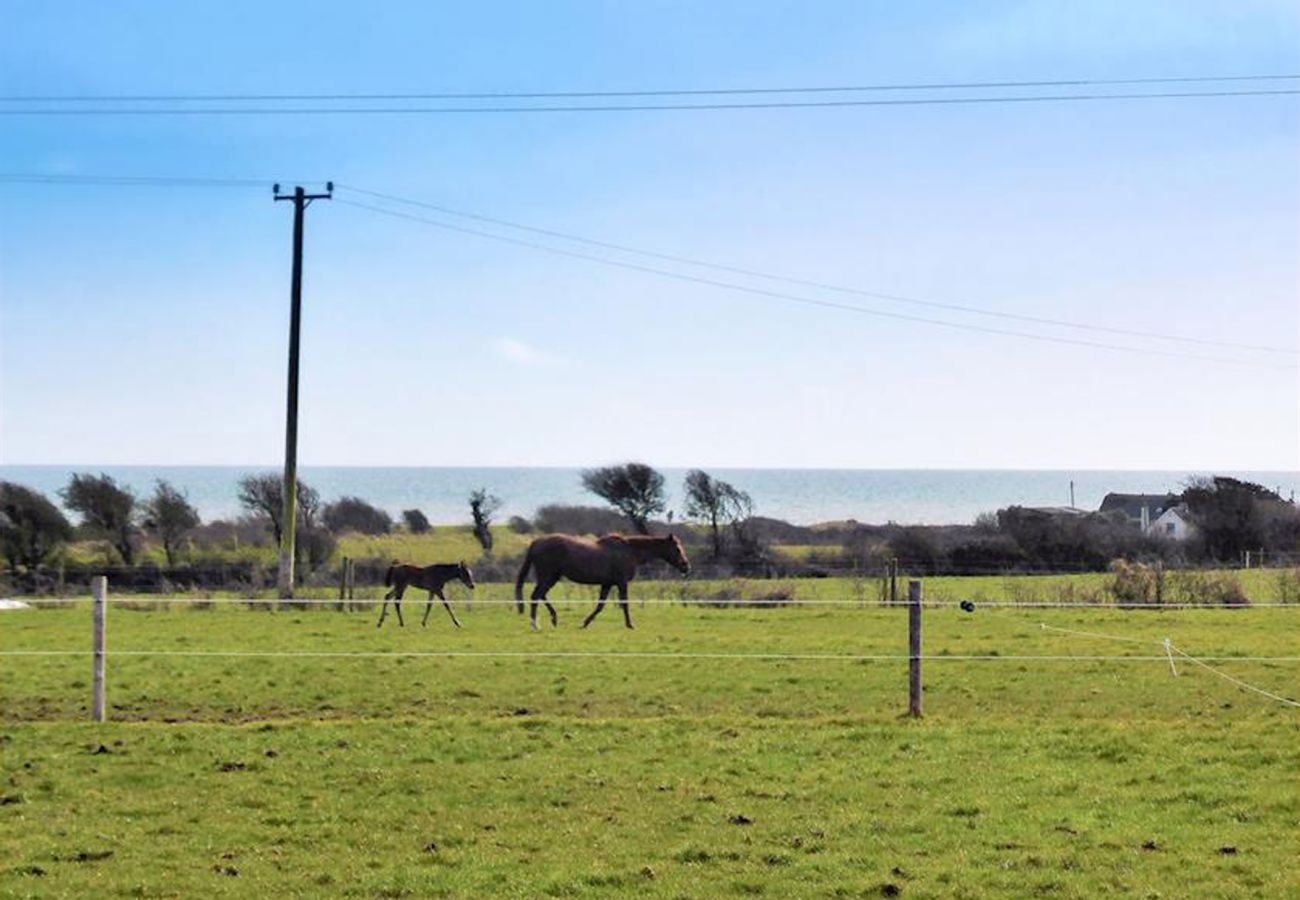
{"x":455,"y":621}
{"x":622,"y":601}
{"x":397,"y":603}
{"x":555,"y":620}
{"x":544,"y":584}
{"x":600,"y":604}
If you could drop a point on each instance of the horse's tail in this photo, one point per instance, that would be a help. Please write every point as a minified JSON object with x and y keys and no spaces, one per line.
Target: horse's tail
{"x":388,"y":576}
{"x":519,"y":580}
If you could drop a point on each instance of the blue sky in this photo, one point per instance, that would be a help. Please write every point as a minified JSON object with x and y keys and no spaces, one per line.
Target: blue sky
{"x":148,"y":324}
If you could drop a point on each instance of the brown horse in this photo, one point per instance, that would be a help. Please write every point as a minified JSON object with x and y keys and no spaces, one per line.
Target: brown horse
{"x":609,"y":562}
{"x":430,"y":578}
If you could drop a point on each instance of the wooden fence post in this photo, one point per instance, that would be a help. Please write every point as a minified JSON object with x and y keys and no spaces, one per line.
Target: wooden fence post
{"x":99,"y":591}
{"x":893,"y":580}
{"x":352,"y":579}
{"x":914,"y":649}
{"x":343,"y":582}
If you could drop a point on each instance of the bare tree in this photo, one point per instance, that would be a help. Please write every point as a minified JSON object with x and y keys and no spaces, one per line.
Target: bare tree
{"x":106,"y":509}
{"x":634,"y":489}
{"x":263,"y":495}
{"x":483,"y":506}
{"x":715,"y":503}
{"x":169,"y":515}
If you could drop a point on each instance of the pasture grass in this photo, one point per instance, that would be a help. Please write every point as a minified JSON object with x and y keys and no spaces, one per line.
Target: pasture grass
{"x":389,"y":776}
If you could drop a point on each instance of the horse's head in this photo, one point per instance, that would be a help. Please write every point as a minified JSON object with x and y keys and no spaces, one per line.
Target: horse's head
{"x":465,"y":575}
{"x":675,"y":555}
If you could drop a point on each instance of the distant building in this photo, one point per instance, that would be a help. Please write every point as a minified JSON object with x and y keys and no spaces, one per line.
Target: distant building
{"x":1139,"y":509}
{"x":1175,"y":523}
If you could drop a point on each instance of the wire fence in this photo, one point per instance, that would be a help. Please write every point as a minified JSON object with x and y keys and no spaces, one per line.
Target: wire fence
{"x":1169,"y":653}
{"x":357,"y":603}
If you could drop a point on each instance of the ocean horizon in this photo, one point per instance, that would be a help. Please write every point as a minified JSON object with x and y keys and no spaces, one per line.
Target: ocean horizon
{"x":800,"y":496}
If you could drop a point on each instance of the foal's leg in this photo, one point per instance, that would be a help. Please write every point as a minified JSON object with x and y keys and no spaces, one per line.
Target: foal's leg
{"x":383,"y":611}
{"x":622,"y":601}
{"x":600,"y":604}
{"x":455,"y":621}
{"x":397,"y":603}
{"x":427,"y":606}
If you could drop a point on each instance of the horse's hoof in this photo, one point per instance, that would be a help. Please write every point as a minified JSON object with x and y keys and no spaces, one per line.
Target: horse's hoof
{"x":534,"y":624}
{"x":630,"y":626}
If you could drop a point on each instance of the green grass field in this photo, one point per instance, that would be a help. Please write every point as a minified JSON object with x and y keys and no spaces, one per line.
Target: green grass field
{"x":519,"y":775}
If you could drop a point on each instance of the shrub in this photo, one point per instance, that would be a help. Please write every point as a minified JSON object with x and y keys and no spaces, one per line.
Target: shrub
{"x":579,"y":520}
{"x":31,"y":527}
{"x":416,"y":521}
{"x":1132,"y":582}
{"x":355,"y":514}
{"x":519,"y":525}
{"x":1288,"y":585}
{"x":1208,"y":588}
{"x":917,"y":550}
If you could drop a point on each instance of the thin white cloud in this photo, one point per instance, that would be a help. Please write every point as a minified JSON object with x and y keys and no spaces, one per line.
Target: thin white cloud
{"x":516,"y":351}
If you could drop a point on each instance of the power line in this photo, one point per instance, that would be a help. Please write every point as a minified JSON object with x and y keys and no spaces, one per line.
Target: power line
{"x":794,"y":298}
{"x":183,"y":181}
{"x":821,"y":285}
{"x":136,"y":181}
{"x":624,"y":107}
{"x":688,"y":92}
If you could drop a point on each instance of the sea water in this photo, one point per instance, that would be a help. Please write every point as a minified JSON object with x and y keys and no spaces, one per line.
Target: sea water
{"x":801,"y":496}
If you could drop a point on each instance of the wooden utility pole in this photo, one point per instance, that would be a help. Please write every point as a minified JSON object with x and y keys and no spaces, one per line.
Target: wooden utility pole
{"x":288,"y":532}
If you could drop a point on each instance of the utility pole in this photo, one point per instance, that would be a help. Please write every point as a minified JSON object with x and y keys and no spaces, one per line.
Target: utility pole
{"x":301,"y":200}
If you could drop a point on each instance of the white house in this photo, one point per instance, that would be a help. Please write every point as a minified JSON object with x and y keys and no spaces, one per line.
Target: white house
{"x":1174,"y":523}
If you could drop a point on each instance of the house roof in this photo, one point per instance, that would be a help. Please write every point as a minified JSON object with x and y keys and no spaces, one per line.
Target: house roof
{"x":1058,"y":510}
{"x":1131,"y":504}
{"x":1181,"y":511}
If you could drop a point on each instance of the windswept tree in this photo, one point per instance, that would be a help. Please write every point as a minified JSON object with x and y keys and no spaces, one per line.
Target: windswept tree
{"x":169,"y":516}
{"x":1234,"y":516}
{"x":416,"y":521}
{"x":263,"y":495}
{"x":355,"y":514}
{"x":107,"y":510}
{"x":715,"y":503}
{"x":482,"y":507}
{"x":31,"y":527}
{"x":634,"y":489}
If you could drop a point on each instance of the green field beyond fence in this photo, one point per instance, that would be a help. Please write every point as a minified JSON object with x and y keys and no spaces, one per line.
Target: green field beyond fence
{"x":710,"y":752}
